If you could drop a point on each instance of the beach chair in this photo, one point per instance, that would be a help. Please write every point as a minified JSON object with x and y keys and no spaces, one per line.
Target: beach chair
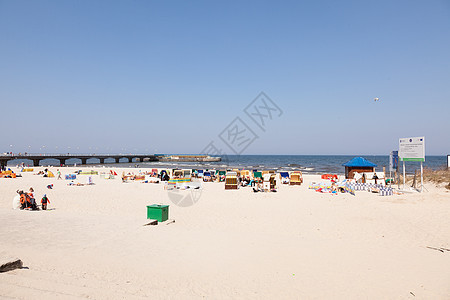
{"x":222,"y":174}
{"x":206,"y":176}
{"x":381,"y":178}
{"x":284,"y":177}
{"x":177,"y":173}
{"x":273,"y":181}
{"x":357,"y":177}
{"x":245,"y":173}
{"x":200,"y":173}
{"x":257,"y":176}
{"x":163,"y":173}
{"x":296,"y":178}
{"x":369,"y":177}
{"x":186,"y":173}
{"x":231,"y":182}
{"x":266,"y":182}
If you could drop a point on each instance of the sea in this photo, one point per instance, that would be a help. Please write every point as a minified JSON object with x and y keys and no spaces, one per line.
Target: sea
{"x":313,"y":164}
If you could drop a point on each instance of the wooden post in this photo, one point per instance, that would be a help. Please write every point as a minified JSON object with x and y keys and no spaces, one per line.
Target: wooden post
{"x":421,"y":176}
{"x":414,"y":184}
{"x":404,"y":175}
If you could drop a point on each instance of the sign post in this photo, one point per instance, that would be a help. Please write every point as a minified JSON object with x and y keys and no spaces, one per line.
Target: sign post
{"x":404,"y":175}
{"x":412,"y":149}
{"x":393,"y":165}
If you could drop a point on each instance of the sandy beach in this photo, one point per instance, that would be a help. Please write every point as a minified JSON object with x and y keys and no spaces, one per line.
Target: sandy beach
{"x":293,"y":244}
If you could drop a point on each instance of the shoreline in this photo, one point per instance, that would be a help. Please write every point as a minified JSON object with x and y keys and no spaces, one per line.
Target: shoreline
{"x":295,"y":243}
{"x":307,"y":164}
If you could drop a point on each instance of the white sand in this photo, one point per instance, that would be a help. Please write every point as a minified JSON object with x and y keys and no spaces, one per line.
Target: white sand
{"x":294,"y":244}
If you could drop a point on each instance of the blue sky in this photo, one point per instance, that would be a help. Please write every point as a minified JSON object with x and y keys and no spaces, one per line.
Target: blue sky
{"x":169,"y":76}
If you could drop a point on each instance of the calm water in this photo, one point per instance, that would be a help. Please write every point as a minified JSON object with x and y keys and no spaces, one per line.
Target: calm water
{"x":305,"y":163}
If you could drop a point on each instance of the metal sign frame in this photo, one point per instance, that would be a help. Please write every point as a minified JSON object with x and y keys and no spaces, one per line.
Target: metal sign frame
{"x":412,"y":149}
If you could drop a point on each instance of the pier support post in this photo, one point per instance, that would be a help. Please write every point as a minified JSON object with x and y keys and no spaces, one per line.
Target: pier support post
{"x":102,"y":160}
{"x":117,"y":159}
{"x":36,"y":162}
{"x":62,"y":161}
{"x":83,"y":161}
{"x":130,"y":159}
{"x":3,"y":163}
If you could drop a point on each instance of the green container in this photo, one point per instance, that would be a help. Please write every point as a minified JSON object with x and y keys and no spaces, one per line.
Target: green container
{"x":158,"y":212}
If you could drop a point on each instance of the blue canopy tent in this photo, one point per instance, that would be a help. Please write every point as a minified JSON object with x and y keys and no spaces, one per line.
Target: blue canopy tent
{"x":358,"y":164}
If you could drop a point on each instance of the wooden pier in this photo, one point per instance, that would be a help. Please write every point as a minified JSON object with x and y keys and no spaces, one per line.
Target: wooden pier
{"x":37,"y":158}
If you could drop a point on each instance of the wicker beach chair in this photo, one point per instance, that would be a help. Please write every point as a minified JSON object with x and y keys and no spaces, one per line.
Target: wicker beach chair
{"x":296,"y":178}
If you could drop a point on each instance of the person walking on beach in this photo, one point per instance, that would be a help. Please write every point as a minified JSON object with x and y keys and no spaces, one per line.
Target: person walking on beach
{"x":44,"y":202}
{"x":58,"y":172}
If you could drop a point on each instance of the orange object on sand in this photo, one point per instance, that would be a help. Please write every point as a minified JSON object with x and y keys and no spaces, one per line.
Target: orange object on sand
{"x":329,"y":176}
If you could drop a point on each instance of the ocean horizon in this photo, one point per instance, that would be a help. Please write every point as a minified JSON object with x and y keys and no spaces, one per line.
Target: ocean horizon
{"x":312,"y":164}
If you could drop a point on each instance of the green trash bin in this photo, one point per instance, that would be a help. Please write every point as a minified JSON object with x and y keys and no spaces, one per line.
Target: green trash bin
{"x":158,"y":212}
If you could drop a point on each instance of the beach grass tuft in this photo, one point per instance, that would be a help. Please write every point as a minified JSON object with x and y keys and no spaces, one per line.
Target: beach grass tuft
{"x":440,"y":176}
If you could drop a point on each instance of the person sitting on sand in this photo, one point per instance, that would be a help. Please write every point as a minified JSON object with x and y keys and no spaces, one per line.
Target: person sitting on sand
{"x":166,"y":177}
{"x":258,"y":188}
{"x":24,"y":200}
{"x":31,"y":195}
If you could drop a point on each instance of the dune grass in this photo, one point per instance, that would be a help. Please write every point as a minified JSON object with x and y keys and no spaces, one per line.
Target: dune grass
{"x":441,"y":176}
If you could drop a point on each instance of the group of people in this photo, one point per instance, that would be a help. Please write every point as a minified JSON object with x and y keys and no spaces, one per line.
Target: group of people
{"x":27,"y":200}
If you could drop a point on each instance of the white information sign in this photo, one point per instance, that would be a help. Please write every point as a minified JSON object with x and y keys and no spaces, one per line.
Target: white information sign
{"x":412,"y":149}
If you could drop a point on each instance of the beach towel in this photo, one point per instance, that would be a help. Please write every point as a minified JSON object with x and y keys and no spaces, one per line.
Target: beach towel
{"x":71,"y":177}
